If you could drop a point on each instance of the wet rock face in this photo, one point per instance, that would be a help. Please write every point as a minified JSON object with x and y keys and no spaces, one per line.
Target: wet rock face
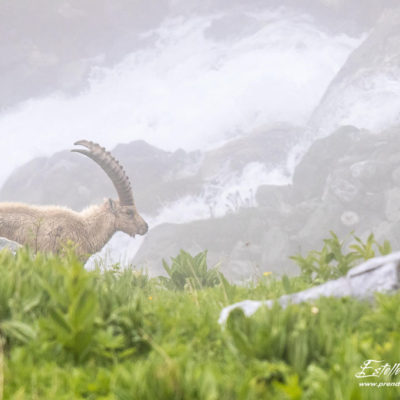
{"x":343,"y":189}
{"x":346,"y":182}
{"x":268,"y":146}
{"x":365,"y":91}
{"x":322,"y":158}
{"x":392,"y":204}
{"x":355,"y":189}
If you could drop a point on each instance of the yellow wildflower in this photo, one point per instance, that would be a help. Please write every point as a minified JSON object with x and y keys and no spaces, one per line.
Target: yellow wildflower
{"x":314,"y":310}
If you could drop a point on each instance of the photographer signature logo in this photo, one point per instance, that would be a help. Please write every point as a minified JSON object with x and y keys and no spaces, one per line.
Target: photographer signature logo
{"x":378,"y":368}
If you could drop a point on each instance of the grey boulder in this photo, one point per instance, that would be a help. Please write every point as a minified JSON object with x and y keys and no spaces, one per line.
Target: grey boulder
{"x":379,"y":274}
{"x":9,"y":244}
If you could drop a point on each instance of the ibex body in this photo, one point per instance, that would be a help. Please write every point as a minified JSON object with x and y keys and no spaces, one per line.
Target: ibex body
{"x":49,"y":228}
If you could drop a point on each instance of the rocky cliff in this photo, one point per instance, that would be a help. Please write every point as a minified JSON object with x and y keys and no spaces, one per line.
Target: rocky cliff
{"x":348,"y":181}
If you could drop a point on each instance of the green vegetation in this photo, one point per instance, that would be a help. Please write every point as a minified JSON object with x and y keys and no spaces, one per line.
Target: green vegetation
{"x":331,"y":262}
{"x":68,"y":333}
{"x":190,"y":272}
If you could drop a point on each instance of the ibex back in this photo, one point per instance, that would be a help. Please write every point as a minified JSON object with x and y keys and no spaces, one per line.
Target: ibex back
{"x":49,"y":228}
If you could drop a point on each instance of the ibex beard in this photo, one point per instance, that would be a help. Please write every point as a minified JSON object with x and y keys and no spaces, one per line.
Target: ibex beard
{"x":50,"y":228}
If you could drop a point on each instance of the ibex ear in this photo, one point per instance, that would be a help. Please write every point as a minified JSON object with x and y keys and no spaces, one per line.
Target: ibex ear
{"x":112,"y":205}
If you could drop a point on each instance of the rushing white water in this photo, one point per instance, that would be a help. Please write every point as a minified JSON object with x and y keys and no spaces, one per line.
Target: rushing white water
{"x":226,"y":193}
{"x":188,"y":88}
{"x":192,"y":88}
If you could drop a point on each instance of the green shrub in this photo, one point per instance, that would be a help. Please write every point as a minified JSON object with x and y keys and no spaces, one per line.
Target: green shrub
{"x":190,"y":272}
{"x":332,"y":261}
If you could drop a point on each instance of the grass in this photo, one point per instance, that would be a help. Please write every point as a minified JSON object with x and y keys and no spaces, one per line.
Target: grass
{"x":68,"y":333}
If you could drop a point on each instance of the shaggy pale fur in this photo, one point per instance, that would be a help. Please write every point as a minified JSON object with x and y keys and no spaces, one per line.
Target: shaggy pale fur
{"x":49,"y":228}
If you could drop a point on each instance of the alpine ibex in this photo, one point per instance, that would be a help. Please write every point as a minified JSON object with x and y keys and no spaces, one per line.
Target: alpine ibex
{"x":49,"y":228}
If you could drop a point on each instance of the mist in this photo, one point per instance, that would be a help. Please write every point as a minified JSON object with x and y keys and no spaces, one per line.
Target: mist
{"x":238,"y":93}
{"x":190,"y":87}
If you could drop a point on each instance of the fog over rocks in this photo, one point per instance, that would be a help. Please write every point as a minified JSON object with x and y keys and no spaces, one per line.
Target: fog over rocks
{"x":366,"y":91}
{"x":253,"y":198}
{"x":51,"y":45}
{"x":346,"y":182}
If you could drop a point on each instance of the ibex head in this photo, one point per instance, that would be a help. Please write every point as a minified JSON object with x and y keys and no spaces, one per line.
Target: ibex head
{"x":127,"y":219}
